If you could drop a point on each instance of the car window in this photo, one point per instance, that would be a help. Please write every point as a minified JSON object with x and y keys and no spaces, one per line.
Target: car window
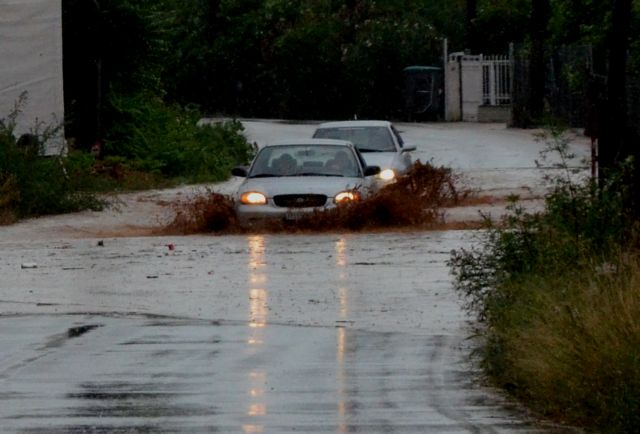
{"x":365,"y":138}
{"x":305,"y":160}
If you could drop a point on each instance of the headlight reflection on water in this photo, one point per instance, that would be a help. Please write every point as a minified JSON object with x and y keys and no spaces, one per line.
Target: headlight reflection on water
{"x":258,"y":295}
{"x":258,"y":317}
{"x":341,"y":337}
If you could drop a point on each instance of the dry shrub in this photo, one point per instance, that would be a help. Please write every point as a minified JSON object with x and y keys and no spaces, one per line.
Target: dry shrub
{"x":578,"y":358}
{"x":412,"y":201}
{"x":9,"y":196}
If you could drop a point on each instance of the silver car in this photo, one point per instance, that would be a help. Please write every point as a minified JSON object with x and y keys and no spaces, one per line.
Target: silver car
{"x":379,"y":141}
{"x":288,"y":180}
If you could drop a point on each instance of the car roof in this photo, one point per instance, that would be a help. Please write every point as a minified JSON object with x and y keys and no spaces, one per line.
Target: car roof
{"x":347,"y":124}
{"x":311,"y":142}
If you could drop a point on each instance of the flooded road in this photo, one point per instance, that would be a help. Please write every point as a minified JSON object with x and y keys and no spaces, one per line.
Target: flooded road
{"x":249,"y":334}
{"x":103,"y":330}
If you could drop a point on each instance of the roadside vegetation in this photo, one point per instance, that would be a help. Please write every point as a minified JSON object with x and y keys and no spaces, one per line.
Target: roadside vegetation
{"x":32,"y":185}
{"x":166,"y":148}
{"x":557,"y":296}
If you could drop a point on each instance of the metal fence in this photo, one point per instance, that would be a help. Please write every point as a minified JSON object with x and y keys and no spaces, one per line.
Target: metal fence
{"x":496,"y":80}
{"x":576,"y":84}
{"x":569,"y":71}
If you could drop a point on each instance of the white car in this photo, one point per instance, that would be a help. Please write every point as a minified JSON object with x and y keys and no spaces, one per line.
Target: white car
{"x":288,"y":180}
{"x":379,"y":141}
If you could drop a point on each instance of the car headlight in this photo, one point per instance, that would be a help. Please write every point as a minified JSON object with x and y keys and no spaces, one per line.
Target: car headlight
{"x":387,"y":175}
{"x":346,"y":196}
{"x":253,"y":198}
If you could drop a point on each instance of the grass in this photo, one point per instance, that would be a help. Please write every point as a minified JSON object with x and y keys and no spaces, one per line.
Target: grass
{"x":557,"y":299}
{"x":570,"y":346}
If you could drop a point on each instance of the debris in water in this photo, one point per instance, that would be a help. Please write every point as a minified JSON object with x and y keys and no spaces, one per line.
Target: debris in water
{"x":74,"y":332}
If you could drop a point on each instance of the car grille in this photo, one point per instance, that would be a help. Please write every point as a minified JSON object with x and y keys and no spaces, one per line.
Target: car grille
{"x":300,"y":200}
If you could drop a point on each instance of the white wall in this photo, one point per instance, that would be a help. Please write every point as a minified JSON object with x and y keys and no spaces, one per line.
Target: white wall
{"x":472,"y":89}
{"x":452,"y":92}
{"x":471,"y":80}
{"x":31,"y":61}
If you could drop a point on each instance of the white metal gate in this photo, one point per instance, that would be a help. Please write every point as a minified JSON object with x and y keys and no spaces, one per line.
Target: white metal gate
{"x":478,"y":87}
{"x":496,"y":80}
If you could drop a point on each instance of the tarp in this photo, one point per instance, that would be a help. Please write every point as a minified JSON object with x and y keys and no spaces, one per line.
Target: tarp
{"x":31,"y":64}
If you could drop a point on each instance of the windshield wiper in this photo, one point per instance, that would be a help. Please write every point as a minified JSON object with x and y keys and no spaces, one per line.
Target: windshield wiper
{"x":373,"y":150}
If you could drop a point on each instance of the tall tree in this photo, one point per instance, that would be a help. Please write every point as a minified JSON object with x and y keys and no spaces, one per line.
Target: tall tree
{"x":616,"y":140}
{"x":613,"y":141}
{"x":471,"y":34}
{"x":82,"y":45}
{"x":540,"y":16}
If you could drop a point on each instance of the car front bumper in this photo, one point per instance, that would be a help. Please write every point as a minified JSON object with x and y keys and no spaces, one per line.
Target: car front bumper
{"x":252,"y":215}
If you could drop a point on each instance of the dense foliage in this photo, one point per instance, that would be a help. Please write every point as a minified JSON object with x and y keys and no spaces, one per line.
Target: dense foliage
{"x":276,"y":58}
{"x":303,"y":58}
{"x":32,"y":185}
{"x":557,"y":298}
{"x":118,"y":100}
{"x":319,"y":59}
{"x":168,"y":141}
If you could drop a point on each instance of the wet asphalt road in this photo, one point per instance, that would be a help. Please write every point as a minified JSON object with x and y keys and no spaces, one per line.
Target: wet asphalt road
{"x":240,"y":334}
{"x":332,"y":333}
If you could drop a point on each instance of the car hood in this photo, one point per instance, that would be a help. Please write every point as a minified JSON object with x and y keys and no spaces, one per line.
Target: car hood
{"x":327,"y":185}
{"x":386,"y":160}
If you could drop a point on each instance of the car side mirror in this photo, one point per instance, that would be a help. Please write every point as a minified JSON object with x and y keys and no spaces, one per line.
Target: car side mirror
{"x":408,"y":148}
{"x":371,"y":170}
{"x":240,"y":171}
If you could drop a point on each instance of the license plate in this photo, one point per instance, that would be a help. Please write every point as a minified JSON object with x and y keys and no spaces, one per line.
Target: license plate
{"x":294,"y":216}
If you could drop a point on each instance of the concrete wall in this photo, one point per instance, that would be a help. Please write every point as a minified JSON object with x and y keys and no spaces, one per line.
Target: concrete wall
{"x":494,"y":113}
{"x":463,"y":89}
{"x":453,"y":109}
{"x":471,"y":89}
{"x":31,"y":64}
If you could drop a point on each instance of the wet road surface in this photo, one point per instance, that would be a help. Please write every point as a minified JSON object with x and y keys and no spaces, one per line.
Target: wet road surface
{"x":334,"y":333}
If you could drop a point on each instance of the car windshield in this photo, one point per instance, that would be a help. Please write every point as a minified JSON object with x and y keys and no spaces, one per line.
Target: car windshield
{"x":305,"y":160}
{"x":367,"y":138}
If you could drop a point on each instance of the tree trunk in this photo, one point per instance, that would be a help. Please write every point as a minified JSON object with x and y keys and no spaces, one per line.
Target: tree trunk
{"x":540,"y":15}
{"x":615,"y":142}
{"x":613,"y":148}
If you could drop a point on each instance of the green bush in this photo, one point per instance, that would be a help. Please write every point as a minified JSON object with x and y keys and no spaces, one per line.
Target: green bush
{"x":149,"y":144}
{"x":166,"y":140}
{"x":31,"y":184}
{"x":557,"y":298}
